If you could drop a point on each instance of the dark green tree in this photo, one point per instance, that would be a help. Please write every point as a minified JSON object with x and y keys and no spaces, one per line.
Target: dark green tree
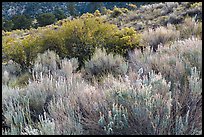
{"x":21,"y":21}
{"x":45,"y":19}
{"x":71,"y":7}
{"x":7,"y":25}
{"x":93,"y":6}
{"x":59,"y":14}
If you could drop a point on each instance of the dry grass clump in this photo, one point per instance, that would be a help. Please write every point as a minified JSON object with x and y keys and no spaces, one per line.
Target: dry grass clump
{"x":12,"y":68}
{"x":160,"y":35}
{"x":10,"y":71}
{"x":190,"y":28}
{"x":173,"y":61}
{"x":102,"y":63}
{"x":48,"y":61}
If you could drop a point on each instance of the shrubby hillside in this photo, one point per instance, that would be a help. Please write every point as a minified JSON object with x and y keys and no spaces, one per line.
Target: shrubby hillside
{"x":123,"y":71}
{"x":26,"y":15}
{"x":33,"y":8}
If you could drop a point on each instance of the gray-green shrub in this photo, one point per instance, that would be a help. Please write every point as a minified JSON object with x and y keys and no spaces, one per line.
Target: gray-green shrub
{"x":160,"y":35}
{"x":102,"y":63}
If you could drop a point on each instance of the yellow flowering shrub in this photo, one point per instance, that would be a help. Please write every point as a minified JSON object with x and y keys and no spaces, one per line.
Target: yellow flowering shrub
{"x":76,"y":38}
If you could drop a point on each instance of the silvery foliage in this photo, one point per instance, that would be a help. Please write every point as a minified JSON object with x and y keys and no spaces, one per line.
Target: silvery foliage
{"x":102,"y":62}
{"x":49,"y":63}
{"x":117,"y":120}
{"x":67,"y":122}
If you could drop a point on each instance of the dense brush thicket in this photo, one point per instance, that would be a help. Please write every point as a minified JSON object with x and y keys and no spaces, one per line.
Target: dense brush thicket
{"x":74,"y":39}
{"x":88,"y":76}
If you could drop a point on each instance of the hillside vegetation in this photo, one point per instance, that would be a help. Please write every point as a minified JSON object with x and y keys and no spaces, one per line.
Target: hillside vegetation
{"x":135,"y":71}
